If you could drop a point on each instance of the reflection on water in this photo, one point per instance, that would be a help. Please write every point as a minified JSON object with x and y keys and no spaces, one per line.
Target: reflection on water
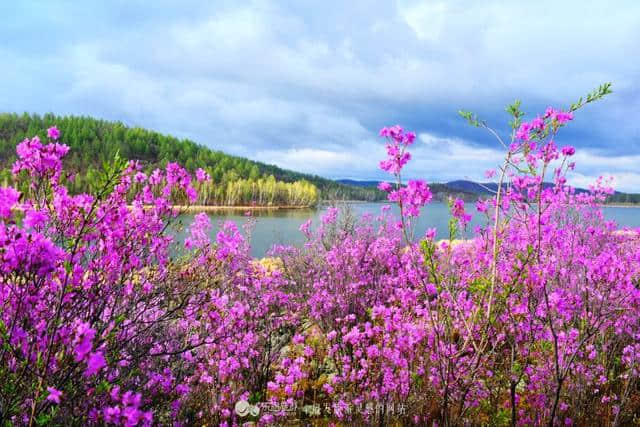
{"x":281,"y":226}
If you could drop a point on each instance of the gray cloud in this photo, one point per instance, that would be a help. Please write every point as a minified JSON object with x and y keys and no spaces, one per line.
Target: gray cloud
{"x":307,"y":87}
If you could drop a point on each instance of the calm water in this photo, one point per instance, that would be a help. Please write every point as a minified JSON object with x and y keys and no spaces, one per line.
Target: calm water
{"x":282,"y":226}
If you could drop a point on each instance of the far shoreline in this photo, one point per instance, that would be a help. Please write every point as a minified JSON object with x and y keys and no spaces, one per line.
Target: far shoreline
{"x":214,"y":208}
{"x":620,"y":205}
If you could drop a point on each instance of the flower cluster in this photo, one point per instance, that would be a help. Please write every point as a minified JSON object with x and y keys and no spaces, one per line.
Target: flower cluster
{"x":416,"y":194}
{"x":107,"y":320}
{"x":397,"y":142}
{"x":412,"y":197}
{"x":531,"y":322}
{"x":102,"y":324}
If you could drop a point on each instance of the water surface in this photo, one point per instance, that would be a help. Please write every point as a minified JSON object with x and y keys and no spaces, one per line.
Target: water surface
{"x":281,"y":226}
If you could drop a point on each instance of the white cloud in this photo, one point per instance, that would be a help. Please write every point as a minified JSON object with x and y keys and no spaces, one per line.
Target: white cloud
{"x":426,"y":19}
{"x":308,"y":88}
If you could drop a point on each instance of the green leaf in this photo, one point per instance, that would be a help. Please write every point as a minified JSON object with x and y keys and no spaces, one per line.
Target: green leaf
{"x":471,"y":118}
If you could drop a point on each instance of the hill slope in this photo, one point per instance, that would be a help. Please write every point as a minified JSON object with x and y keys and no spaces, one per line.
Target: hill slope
{"x":440,"y":192}
{"x":95,"y":141}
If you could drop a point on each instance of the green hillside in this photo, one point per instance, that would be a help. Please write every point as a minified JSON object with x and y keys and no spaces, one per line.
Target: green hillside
{"x":237,"y":180}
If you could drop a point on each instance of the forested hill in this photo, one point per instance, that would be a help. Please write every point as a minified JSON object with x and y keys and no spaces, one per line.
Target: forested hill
{"x":95,"y":141}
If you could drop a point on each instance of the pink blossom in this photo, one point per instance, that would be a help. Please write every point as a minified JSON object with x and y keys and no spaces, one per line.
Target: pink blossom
{"x":330,"y":216}
{"x":412,"y":197}
{"x":199,"y":232}
{"x":54,"y":395}
{"x":568,"y":151}
{"x":202,"y":175}
{"x":430,"y":234}
{"x":305,"y":227}
{"x":95,"y":363}
{"x":8,"y":199}
{"x":457,"y":210}
{"x":53,"y":133}
{"x":384,"y":186}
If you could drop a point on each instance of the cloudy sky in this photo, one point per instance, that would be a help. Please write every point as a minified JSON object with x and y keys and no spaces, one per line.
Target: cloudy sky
{"x":307,"y":85}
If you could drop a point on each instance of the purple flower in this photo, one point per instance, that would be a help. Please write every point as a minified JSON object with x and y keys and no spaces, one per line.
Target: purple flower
{"x":140,"y":177}
{"x":564,"y":117}
{"x":457,"y":210}
{"x":568,"y":151}
{"x":482,"y":206}
{"x":202,"y":175}
{"x":523,"y":131}
{"x":54,"y":395}
{"x":199,"y":232}
{"x":430,"y":234}
{"x":305,"y":228}
{"x":85,"y":341}
{"x":330,"y":216}
{"x":95,"y":363}
{"x":53,"y":133}
{"x":34,"y":218}
{"x":8,"y":198}
{"x":412,"y":197}
{"x":384,"y":186}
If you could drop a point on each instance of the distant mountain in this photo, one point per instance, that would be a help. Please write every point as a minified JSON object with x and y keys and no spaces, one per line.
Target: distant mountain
{"x":470,"y":190}
{"x":486,"y":188}
{"x":472,"y":187}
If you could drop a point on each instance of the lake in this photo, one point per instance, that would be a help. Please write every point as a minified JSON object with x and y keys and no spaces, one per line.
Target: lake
{"x":281,"y":226}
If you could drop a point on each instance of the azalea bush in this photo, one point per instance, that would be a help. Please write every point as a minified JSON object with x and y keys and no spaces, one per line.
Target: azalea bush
{"x":99,"y":324}
{"x":533,"y":321}
{"x":107,"y":320}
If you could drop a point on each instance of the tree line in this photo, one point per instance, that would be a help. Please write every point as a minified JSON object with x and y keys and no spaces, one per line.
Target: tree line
{"x":236,"y":180}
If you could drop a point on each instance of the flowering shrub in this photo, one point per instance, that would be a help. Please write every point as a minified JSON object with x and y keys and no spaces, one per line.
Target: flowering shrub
{"x":534,"y":321}
{"x":99,"y":324}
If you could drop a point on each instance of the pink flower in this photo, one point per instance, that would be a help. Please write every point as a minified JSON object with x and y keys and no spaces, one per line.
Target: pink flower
{"x":457,"y":210}
{"x":482,"y":206}
{"x":199,"y":232}
{"x":384,"y":186}
{"x":537,"y":124}
{"x":140,"y":177}
{"x":330,"y":216}
{"x":8,"y":198}
{"x":305,"y":228}
{"x":85,"y":341}
{"x":523,"y":132}
{"x":397,"y":156}
{"x":53,"y":133}
{"x":54,"y":395}
{"x":563,"y":117}
{"x":568,"y":151}
{"x":191,"y":193}
{"x":430,"y":233}
{"x":560,"y":116}
{"x":34,"y":218}
{"x":202,"y":175}
{"x":95,"y":363}
{"x":412,"y":197}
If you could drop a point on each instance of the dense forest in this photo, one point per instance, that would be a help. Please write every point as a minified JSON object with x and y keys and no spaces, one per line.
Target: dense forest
{"x":235,"y":180}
